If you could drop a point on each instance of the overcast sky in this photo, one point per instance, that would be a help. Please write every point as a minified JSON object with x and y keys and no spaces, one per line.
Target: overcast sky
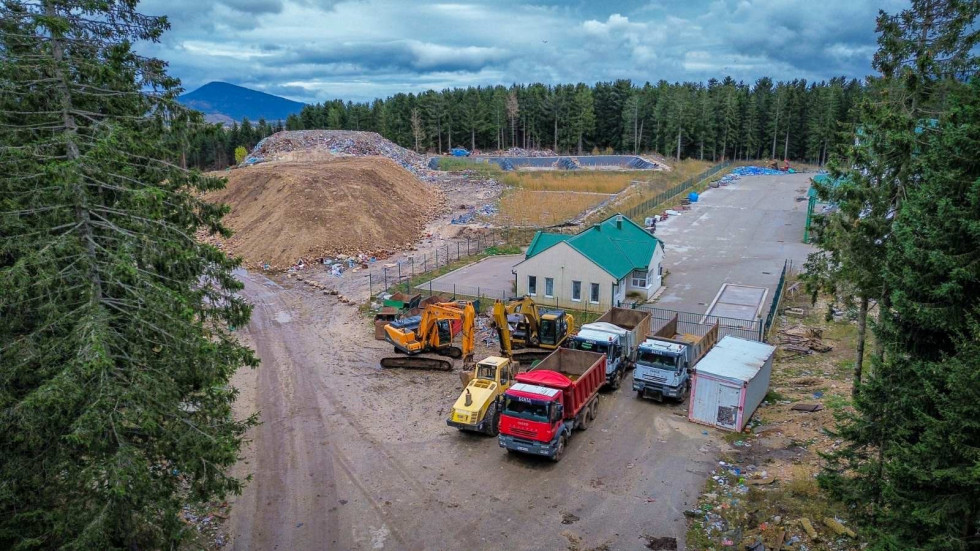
{"x":315,"y":50}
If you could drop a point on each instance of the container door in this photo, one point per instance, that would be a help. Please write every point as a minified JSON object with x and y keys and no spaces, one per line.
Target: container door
{"x":728,"y":399}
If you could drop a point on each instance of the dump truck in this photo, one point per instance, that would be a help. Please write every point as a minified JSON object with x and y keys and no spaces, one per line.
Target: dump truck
{"x":478,"y":407}
{"x":617,"y":334}
{"x":549,"y":401}
{"x":666,"y":359}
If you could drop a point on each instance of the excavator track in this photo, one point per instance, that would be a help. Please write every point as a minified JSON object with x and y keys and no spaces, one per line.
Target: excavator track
{"x":417,"y":362}
{"x":526,"y":357}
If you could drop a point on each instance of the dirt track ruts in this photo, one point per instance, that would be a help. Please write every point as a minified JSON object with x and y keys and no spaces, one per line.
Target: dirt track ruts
{"x":353,"y":457}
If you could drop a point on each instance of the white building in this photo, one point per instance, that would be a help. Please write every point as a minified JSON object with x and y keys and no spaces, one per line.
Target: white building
{"x":594,"y":269}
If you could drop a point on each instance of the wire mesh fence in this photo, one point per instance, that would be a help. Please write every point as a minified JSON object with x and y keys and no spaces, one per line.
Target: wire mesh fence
{"x":635,"y":213}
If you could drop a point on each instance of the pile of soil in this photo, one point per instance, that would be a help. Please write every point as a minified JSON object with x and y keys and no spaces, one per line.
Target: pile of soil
{"x":284,"y":211}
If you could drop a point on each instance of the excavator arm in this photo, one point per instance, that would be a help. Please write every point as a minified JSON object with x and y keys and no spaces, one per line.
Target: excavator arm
{"x":426,"y":337}
{"x":503,"y":330}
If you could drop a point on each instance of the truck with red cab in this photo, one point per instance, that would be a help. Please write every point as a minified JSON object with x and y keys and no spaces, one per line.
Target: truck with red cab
{"x":549,"y":401}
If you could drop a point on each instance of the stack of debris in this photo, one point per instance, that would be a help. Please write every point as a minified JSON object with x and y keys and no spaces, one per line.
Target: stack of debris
{"x":801,"y":341}
{"x":521,"y":152}
{"x":339,"y":143}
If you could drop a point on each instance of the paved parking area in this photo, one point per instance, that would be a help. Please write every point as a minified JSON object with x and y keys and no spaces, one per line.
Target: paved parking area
{"x":738,"y":234}
{"x":489,"y":277}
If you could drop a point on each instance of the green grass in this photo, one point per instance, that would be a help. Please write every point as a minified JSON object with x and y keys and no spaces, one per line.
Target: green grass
{"x":503,"y":249}
{"x":837,"y":402}
{"x":773,"y":396}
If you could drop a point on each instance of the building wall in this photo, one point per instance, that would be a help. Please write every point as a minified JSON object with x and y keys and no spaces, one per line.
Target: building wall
{"x":654,"y":275}
{"x":565,"y":264}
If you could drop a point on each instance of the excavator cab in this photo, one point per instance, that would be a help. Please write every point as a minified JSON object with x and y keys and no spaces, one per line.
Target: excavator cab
{"x":553,"y":328}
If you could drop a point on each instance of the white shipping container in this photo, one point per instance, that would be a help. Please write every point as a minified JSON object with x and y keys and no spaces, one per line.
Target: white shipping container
{"x":730,"y":382}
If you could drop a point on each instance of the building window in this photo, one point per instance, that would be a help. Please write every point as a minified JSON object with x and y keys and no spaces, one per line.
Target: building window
{"x":532,"y":285}
{"x":549,"y":287}
{"x":639,"y":279}
{"x":594,"y":293}
{"x":577,"y":291}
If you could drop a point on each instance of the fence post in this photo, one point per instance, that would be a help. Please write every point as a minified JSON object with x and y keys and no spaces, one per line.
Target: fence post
{"x":400,"y":273}
{"x":457,"y":250}
{"x":370,"y":286}
{"x":413,"y":267}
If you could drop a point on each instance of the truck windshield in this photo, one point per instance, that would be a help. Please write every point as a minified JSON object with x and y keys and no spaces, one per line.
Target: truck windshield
{"x":655,"y":359}
{"x":525,"y":408}
{"x":547,"y":332}
{"x":590,"y":346}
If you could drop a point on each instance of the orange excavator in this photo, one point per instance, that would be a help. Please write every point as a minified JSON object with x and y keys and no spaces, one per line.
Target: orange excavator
{"x":417,"y":338}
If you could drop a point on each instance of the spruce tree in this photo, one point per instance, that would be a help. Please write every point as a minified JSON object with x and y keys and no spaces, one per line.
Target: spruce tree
{"x":910,"y":223}
{"x":115,"y":352}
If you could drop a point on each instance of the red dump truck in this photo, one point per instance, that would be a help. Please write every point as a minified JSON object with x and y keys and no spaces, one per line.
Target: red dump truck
{"x":547,"y":403}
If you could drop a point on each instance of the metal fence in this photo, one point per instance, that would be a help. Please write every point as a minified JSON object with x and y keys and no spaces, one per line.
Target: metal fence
{"x":645,"y":207}
{"x":397,"y":275}
{"x":699,"y":324}
{"x":787,"y":267}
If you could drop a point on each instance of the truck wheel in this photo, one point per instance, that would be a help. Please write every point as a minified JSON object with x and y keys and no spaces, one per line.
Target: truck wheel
{"x":639,"y":394}
{"x":617,"y":381}
{"x":594,"y":410}
{"x":586,"y":418}
{"x":493,"y":420}
{"x":685,"y":393}
{"x":560,"y":451}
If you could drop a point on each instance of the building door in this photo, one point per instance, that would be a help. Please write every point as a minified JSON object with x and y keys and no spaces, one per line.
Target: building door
{"x":728,"y":400}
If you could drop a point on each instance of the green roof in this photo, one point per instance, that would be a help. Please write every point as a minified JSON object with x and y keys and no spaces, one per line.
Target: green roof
{"x":617,"y":250}
{"x":543,"y":240}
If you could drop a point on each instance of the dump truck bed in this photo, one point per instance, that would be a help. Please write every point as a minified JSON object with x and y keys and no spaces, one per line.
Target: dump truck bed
{"x":578,"y":374}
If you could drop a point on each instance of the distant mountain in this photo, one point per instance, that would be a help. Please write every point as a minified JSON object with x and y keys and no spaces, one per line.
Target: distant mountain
{"x":223,"y":102}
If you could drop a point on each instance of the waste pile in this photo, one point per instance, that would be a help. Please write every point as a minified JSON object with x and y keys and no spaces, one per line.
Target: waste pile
{"x":728,"y":515}
{"x":472,"y":212}
{"x":521,"y":152}
{"x":336,"y":142}
{"x":738,"y":172}
{"x":756,"y":171}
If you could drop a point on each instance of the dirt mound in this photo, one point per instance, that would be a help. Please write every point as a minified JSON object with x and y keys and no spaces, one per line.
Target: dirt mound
{"x":284,"y":211}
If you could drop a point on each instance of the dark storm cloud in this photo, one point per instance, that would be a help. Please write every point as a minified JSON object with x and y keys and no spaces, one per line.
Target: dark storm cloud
{"x":255,"y":7}
{"x":312,"y":50}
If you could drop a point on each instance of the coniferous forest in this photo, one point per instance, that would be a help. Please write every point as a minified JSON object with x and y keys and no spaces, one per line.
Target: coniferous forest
{"x":793,"y":120}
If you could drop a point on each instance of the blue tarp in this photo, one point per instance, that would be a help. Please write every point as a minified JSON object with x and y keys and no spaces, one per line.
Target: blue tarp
{"x":755,"y":171}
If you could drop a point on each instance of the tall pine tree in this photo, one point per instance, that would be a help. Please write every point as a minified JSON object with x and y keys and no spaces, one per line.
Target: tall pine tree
{"x":114,"y":348}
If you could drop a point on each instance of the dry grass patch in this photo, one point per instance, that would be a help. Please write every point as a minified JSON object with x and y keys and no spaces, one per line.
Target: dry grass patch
{"x":520,"y":207}
{"x":658,"y":182}
{"x":591,"y":181}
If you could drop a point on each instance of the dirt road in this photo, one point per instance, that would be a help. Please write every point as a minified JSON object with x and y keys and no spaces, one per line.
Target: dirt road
{"x":352,"y":457}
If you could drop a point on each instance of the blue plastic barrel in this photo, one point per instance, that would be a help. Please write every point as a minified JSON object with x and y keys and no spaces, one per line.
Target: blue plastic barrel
{"x":693,"y":197}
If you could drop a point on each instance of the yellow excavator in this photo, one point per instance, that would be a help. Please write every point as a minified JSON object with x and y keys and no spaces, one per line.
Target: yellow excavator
{"x":528,"y":332}
{"x":431,"y":333}
{"x":478,"y":407}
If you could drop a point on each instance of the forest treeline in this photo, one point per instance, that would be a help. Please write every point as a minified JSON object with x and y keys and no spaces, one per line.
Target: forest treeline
{"x":793,"y":120}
